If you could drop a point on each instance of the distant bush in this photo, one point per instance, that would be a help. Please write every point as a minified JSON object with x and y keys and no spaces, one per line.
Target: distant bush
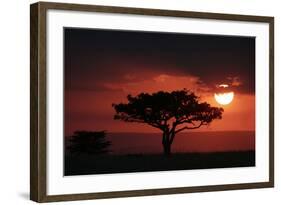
{"x":88,"y":142}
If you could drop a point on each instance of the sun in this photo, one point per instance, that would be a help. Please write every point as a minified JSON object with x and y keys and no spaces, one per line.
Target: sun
{"x":224,"y":97}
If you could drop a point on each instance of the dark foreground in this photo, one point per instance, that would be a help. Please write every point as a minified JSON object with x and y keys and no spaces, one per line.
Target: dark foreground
{"x":105,"y":164}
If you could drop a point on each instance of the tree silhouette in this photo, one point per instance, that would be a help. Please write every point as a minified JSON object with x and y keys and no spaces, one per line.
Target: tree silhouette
{"x":88,"y":142}
{"x":171,"y":112}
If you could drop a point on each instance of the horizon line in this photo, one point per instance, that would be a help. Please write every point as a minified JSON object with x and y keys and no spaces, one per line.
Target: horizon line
{"x":161,"y":132}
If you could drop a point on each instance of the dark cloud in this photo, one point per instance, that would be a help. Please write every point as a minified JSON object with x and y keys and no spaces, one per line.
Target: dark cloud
{"x":96,"y":57}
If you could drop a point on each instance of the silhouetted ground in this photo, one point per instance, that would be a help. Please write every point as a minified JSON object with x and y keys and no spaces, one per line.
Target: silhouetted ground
{"x":103,"y":164}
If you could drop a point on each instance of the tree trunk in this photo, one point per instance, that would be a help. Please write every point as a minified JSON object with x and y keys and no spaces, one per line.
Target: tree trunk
{"x":166,"y":144}
{"x":167,"y":149}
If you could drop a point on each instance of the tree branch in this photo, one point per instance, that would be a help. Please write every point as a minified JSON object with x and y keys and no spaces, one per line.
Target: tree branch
{"x":189,"y":128}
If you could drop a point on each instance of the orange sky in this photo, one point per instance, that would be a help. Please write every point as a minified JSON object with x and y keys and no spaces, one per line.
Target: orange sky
{"x":92,"y":110}
{"x":102,"y":67}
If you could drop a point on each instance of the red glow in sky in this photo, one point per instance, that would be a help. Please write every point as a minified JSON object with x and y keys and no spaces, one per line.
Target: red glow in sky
{"x":102,"y":67}
{"x":93,"y":109}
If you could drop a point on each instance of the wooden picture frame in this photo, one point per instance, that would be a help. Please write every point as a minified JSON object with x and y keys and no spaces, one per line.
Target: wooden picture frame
{"x":39,"y":103}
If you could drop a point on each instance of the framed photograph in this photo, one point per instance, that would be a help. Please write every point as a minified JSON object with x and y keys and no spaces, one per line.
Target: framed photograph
{"x":134,"y":102}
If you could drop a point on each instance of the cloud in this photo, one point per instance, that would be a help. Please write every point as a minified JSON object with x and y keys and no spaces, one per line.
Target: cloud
{"x":129,"y":77}
{"x":159,"y":82}
{"x":234,"y":81}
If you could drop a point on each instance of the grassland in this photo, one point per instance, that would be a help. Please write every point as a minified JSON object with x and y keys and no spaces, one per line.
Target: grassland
{"x":105,"y":164}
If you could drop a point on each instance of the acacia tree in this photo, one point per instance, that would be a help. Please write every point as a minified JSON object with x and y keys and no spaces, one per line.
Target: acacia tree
{"x":171,"y":112}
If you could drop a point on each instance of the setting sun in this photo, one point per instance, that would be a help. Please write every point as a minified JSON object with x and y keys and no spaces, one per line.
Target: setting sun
{"x":224,"y":98}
